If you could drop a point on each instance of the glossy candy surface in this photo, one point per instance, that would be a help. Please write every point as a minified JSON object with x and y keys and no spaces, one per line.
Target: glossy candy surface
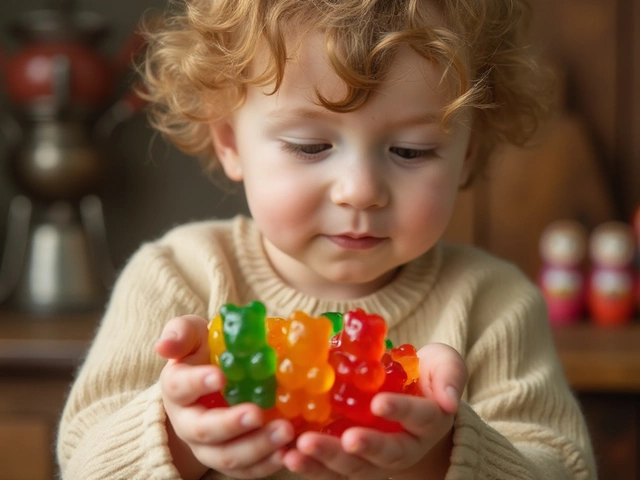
{"x":276,"y":334}
{"x":356,"y":359}
{"x":216,"y":340}
{"x":213,"y":400}
{"x":248,"y":362}
{"x":303,"y":373}
{"x":321,"y":373}
{"x":406,"y":356}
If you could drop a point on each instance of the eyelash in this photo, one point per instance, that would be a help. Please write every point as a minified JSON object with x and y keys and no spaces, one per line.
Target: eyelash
{"x":412,"y":154}
{"x":298,"y":149}
{"x":406,"y":154}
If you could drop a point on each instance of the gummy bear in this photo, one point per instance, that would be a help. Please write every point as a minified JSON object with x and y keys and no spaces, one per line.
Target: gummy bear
{"x":356,"y":359}
{"x":216,"y":340}
{"x":395,"y":376}
{"x":276,"y":334}
{"x":406,"y":355}
{"x":337,"y":323}
{"x":248,"y":362}
{"x":303,"y":373}
{"x":212,"y":400}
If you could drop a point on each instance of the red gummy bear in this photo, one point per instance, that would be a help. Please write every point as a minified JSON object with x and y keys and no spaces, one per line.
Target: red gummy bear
{"x":212,"y":400}
{"x":407,"y":356}
{"x":395,"y":376}
{"x":356,"y":359}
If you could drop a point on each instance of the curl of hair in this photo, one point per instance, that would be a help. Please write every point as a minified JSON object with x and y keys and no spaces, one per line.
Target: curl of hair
{"x":196,"y":67}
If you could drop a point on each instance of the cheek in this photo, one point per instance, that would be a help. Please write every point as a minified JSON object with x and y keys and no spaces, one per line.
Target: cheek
{"x":428,"y":206}
{"x":280,"y":201}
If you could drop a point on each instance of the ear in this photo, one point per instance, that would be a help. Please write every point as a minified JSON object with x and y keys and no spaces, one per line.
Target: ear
{"x":223,"y":137}
{"x":469,"y":161}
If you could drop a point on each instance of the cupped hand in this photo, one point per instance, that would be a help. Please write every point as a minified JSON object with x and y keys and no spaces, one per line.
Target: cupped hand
{"x":424,"y":446}
{"x":233,"y":441}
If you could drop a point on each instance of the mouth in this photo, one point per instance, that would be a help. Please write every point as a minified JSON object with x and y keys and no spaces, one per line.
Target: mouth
{"x":355,"y":242}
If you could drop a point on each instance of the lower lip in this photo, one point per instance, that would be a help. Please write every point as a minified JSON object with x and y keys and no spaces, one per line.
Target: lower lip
{"x":351,"y":243}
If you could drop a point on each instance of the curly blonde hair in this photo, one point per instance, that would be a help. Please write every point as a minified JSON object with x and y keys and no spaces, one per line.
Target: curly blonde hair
{"x":198,"y":56}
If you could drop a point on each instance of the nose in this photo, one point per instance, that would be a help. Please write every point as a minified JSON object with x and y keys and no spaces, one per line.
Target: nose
{"x":362,"y":184}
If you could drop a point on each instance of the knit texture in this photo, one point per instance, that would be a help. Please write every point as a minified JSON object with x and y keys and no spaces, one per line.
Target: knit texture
{"x":518,"y":418}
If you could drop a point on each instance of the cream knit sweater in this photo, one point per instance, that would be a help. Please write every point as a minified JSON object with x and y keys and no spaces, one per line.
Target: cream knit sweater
{"x":518,"y":418}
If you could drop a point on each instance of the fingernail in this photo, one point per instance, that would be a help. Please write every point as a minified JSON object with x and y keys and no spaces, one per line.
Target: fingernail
{"x":358,"y":447}
{"x":211,"y":382}
{"x":453,"y":394}
{"x":250,"y":420}
{"x":279,"y":435}
{"x":277,"y":457}
{"x":383,"y":409}
{"x":169,"y":335}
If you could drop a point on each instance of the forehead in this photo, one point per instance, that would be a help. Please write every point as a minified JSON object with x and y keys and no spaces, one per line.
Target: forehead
{"x":308,"y":72}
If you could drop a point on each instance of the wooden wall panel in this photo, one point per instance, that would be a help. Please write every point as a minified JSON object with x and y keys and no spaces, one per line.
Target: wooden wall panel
{"x":460,"y":228}
{"x":583,"y":165}
{"x":580,"y":36}
{"x":26,"y":448}
{"x":528,"y":189}
{"x":632,"y":150}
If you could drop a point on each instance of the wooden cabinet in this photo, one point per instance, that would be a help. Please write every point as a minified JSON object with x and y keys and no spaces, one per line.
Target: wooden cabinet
{"x":38,"y":356}
{"x":603,"y":367}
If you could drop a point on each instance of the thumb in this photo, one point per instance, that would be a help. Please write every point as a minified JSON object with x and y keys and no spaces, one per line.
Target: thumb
{"x":443,"y":375}
{"x":185,"y":339}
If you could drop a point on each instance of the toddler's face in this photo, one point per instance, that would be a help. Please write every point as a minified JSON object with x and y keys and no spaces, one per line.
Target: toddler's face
{"x":345,"y":199}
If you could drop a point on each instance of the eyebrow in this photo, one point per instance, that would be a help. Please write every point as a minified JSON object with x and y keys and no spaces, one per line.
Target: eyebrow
{"x":306,"y":113}
{"x":282,"y":116}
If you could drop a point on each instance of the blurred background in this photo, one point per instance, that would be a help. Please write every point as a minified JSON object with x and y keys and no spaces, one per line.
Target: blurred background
{"x":147,"y":185}
{"x":584,"y":167}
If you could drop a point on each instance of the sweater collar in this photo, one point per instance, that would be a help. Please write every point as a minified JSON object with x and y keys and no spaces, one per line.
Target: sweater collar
{"x":394,"y":302}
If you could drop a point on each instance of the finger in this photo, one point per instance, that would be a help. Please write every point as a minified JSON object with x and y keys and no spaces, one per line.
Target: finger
{"x":307,"y":466}
{"x":263,"y":468}
{"x":183,"y":384}
{"x":184,"y":337}
{"x":245,"y":451}
{"x":328,"y":451}
{"x":443,"y":374}
{"x":395,"y":451}
{"x":218,"y":425}
{"x":417,"y":415}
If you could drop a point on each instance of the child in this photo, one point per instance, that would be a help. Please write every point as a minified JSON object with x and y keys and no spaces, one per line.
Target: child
{"x":352,"y":124}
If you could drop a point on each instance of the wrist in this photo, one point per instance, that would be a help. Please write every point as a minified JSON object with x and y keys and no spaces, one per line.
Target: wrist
{"x":184,"y":460}
{"x":434,"y":465}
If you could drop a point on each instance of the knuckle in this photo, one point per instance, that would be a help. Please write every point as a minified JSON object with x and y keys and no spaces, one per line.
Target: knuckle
{"x":396,"y":462}
{"x":228,"y":461}
{"x":171,"y":385}
{"x":359,"y":472}
{"x":200,"y":433}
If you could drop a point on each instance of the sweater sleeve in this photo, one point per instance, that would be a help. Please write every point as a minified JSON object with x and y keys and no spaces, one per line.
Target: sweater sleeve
{"x":113,"y":424}
{"x":520,"y":419}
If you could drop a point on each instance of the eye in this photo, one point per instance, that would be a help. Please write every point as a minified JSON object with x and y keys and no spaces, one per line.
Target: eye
{"x":305,"y":150}
{"x":412,"y":154}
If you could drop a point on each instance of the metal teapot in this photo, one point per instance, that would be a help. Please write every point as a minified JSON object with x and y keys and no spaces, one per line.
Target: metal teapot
{"x":47,"y":34}
{"x":63,"y":95}
{"x":65,"y":103}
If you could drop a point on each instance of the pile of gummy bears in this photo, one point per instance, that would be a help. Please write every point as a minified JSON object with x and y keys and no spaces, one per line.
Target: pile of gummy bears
{"x":320,"y":373}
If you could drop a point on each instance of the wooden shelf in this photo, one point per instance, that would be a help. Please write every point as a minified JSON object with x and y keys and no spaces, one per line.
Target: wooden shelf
{"x":44,"y":342}
{"x":600,"y":359}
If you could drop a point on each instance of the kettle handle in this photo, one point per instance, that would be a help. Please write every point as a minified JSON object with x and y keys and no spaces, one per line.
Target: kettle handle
{"x":10,"y":130}
{"x":18,"y":228}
